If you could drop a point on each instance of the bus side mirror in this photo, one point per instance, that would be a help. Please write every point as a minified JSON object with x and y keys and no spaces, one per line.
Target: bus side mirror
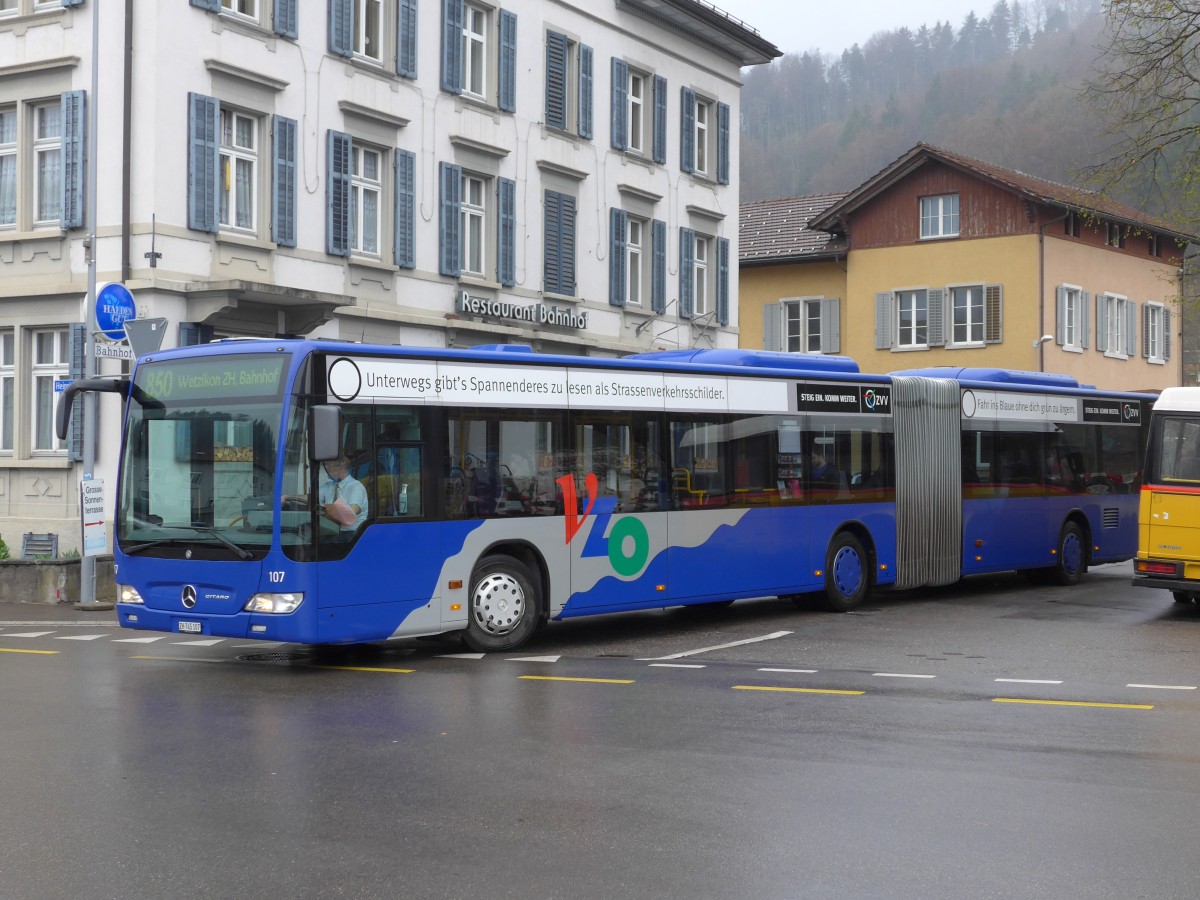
{"x":324,"y":432}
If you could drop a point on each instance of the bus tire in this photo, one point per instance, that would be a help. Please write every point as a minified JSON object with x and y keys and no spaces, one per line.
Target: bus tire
{"x":1183,"y":596}
{"x":847,"y":573}
{"x":503,"y":605}
{"x":1071,"y":561}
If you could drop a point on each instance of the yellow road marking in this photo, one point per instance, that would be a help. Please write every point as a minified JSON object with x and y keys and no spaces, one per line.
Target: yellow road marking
{"x":1072,"y":703}
{"x":792,"y":690}
{"x":35,"y":652}
{"x":367,"y":669}
{"x":585,"y":680}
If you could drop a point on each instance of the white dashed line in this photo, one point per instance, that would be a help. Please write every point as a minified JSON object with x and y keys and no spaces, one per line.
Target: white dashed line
{"x":541,"y":659}
{"x":461,"y":655}
{"x":1027,"y":681}
{"x":899,"y":675}
{"x":198,"y":643}
{"x":145,"y":640}
{"x":765,"y":637}
{"x":81,"y":637}
{"x":678,"y":666}
{"x":30,"y":634}
{"x":794,"y":671}
{"x":1164,"y":687}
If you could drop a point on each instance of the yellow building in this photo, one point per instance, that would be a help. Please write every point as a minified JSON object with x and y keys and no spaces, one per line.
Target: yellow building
{"x":945,"y":260}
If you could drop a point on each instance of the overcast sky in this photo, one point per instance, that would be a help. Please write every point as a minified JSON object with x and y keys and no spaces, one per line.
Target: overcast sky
{"x":798,"y":25}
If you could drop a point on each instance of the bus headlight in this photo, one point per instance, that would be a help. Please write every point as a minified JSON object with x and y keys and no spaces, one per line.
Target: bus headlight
{"x":127,"y":593}
{"x":273,"y":603}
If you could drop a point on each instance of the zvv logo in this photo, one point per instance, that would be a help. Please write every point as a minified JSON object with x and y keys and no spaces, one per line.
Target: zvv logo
{"x":627,"y":545}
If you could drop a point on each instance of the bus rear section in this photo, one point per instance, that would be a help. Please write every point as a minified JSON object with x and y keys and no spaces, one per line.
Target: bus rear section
{"x":1168,"y":553}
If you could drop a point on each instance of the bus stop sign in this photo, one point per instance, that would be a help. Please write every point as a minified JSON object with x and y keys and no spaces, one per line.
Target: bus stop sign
{"x":114,"y":305}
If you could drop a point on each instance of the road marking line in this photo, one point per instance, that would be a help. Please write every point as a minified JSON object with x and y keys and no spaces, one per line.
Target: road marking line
{"x":765,"y":637}
{"x":258,"y":645}
{"x":794,"y":690}
{"x":208,"y":643}
{"x":1164,"y":687}
{"x":678,"y":666}
{"x":541,"y":659}
{"x":145,"y":640}
{"x":71,"y":624}
{"x":899,"y":675}
{"x":584,"y":680}
{"x":1026,"y":681}
{"x":368,"y":669}
{"x":30,"y":634}
{"x":1071,"y":703}
{"x":796,"y":671}
{"x":81,"y":637}
{"x":460,"y":656}
{"x":37,"y":652}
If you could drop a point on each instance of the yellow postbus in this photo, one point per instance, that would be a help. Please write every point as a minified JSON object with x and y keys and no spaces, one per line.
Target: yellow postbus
{"x":1169,"y":510}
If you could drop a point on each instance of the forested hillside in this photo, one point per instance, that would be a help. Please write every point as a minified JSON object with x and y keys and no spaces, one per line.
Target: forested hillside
{"x":1004,"y":88}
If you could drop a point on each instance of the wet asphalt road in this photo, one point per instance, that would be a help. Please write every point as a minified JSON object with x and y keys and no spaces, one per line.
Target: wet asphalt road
{"x":985,"y":740}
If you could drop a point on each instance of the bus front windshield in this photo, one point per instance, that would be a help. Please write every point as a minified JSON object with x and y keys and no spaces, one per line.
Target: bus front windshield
{"x":198,"y":472}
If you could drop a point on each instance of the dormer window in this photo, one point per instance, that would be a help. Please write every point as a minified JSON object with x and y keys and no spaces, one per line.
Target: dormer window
{"x":939,"y":216}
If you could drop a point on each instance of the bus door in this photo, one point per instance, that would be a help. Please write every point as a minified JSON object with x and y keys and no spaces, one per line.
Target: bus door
{"x":618,"y":511}
{"x":928,"y":481}
{"x":1170,"y":514}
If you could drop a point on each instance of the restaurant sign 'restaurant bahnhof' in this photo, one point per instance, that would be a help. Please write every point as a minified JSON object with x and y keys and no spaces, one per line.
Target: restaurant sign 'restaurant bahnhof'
{"x":537,"y":314}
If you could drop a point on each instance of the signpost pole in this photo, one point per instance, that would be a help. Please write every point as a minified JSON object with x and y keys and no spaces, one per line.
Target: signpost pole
{"x":87,"y":562}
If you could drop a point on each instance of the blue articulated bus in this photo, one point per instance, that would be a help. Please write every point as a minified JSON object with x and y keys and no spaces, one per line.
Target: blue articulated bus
{"x":321,"y":492}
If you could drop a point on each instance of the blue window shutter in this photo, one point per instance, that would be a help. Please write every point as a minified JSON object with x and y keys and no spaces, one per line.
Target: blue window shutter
{"x":1166,"y":347}
{"x":451,"y":209}
{"x":687,"y":132}
{"x":193,"y":333}
{"x":568,"y":246}
{"x":618,"y":224}
{"x":406,"y":39}
{"x":559,"y":242}
{"x":339,"y":152}
{"x":204,"y":123}
{"x":453,"y":14}
{"x":586,"y":103}
{"x":76,"y":350}
{"x":620,"y":100}
{"x":551,"y":239}
{"x":506,"y":232}
{"x":283,"y":191}
{"x":74,"y":158}
{"x":660,"y":119}
{"x":286,"y":23}
{"x":507,"y":99}
{"x":723,"y":281}
{"x":405,"y":250}
{"x":341,"y":27}
{"x":658,"y":272}
{"x":723,"y":143}
{"x":70,"y":3}
{"x":556,"y":80}
{"x":687,"y":279}
{"x":210,"y":5}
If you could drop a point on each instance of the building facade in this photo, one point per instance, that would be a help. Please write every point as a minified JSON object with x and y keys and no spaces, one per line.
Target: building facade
{"x":443,"y":173}
{"x":944,"y":260}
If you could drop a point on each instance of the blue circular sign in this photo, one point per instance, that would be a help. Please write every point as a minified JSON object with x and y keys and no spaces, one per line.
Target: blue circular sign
{"x":114,"y":305}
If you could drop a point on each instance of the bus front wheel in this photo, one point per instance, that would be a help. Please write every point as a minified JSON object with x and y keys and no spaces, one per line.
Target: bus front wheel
{"x":847,"y":573}
{"x":504,"y":606}
{"x":1071,"y":561}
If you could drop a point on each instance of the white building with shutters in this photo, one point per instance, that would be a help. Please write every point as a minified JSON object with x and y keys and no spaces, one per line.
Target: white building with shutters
{"x":445,"y":173}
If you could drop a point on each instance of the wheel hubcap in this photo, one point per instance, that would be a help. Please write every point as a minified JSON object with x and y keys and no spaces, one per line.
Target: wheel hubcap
{"x":1072,"y":553}
{"x":847,"y":571}
{"x":498,"y":603}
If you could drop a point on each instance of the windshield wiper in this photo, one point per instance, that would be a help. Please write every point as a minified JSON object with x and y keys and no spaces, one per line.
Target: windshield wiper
{"x":241,"y":551}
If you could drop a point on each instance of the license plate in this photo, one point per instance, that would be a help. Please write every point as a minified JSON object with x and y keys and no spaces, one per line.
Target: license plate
{"x":191,"y":627}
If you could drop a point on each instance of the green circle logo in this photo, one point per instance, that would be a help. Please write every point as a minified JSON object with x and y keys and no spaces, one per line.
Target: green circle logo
{"x":632,"y":532}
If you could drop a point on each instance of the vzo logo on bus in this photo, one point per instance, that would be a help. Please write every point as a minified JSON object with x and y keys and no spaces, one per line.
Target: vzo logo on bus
{"x":627,"y":545}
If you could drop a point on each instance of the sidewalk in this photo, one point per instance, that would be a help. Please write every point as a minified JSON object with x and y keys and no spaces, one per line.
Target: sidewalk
{"x":53,"y":613}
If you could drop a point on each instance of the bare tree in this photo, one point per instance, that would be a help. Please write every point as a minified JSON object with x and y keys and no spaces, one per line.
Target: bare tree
{"x":1147,"y":91}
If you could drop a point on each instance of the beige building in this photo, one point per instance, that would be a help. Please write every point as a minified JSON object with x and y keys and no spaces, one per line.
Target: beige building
{"x":944,"y":260}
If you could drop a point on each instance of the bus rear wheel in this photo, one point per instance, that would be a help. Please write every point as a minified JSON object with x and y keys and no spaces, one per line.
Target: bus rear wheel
{"x":847,"y":573}
{"x":1071,"y":562}
{"x":503,"y":605}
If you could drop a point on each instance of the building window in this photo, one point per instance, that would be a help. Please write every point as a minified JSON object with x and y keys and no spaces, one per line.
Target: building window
{"x":479,"y":53}
{"x":1071,"y":225}
{"x":1114,"y":235}
{"x":939,"y":216}
{"x":703,"y":276}
{"x":634,"y":270}
{"x":637,"y":112}
{"x":27,"y":7}
{"x":700,"y":279}
{"x":47,"y":164}
{"x":559,"y":243}
{"x":1154,"y":245}
{"x":637,"y":261}
{"x":1156,"y":332}
{"x":8,"y":166}
{"x":473,"y":230}
{"x":912,"y":319}
{"x":568,"y":85}
{"x":704,"y":139}
{"x":966,"y":305}
{"x":474,"y":51}
{"x":245,"y":8}
{"x":368,"y":30}
{"x":700,"y":160}
{"x":802,"y":326}
{"x":50,"y":364}
{"x":237,"y":189}
{"x":1115,"y":326}
{"x":7,"y":382}
{"x":1072,"y":332}
{"x":366,"y":189}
